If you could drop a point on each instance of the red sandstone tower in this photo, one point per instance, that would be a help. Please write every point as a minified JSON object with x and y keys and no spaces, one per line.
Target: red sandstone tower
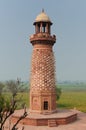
{"x":42,"y":79}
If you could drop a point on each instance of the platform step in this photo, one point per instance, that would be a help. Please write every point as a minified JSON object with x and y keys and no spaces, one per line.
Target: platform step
{"x":52,"y":123}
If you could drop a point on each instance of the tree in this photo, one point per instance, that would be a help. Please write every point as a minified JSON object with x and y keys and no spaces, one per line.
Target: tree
{"x":8,"y":107}
{"x":15,"y":86}
{"x":58,"y":93}
{"x":1,"y":87}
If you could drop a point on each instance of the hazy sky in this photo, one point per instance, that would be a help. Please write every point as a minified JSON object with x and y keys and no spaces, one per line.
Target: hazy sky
{"x":69,"y":25}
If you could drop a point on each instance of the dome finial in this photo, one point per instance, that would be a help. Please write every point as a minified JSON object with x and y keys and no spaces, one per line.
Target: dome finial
{"x":42,"y":17}
{"x":43,"y":10}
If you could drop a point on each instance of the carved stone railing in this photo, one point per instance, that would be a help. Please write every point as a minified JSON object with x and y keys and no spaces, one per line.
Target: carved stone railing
{"x":42,"y":36}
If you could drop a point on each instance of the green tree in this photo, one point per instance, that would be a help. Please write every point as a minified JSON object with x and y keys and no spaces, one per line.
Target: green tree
{"x":58,"y":93}
{"x":1,"y":87}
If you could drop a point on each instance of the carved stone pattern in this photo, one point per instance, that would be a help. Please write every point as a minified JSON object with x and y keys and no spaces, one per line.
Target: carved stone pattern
{"x":43,"y":70}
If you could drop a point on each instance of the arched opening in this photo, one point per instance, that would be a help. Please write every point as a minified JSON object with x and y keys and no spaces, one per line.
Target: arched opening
{"x":44,"y":27}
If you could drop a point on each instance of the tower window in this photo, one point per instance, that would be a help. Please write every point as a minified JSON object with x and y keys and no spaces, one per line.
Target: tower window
{"x":45,"y":105}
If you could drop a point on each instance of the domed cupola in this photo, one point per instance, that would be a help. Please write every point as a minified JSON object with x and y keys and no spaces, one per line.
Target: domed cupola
{"x":42,"y":17}
{"x":42,"y":23}
{"x":42,"y":33}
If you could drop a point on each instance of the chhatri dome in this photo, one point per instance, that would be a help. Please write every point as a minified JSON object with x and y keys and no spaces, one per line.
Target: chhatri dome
{"x":42,"y":17}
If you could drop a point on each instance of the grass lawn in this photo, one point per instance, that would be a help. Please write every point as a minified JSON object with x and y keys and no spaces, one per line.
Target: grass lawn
{"x":73,"y":100}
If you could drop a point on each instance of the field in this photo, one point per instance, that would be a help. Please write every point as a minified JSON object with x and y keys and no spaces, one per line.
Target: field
{"x":76,"y":100}
{"x":75,"y":87}
{"x":73,"y":96}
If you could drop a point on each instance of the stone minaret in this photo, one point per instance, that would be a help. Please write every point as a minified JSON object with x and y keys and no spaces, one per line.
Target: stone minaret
{"x":42,"y":78}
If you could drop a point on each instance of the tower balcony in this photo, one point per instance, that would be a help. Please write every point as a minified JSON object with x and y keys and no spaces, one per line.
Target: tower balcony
{"x":43,"y":38}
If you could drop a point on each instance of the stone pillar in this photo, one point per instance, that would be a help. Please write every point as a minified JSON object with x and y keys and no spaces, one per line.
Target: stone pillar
{"x":47,"y":28}
{"x":40,"y":27}
{"x":36,"y":28}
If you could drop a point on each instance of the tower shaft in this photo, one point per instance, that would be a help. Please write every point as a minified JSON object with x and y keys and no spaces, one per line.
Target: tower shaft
{"x":42,"y":88}
{"x":42,"y":79}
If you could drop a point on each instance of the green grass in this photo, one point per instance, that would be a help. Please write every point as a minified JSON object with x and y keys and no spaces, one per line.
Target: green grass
{"x":73,"y":96}
{"x":73,"y":100}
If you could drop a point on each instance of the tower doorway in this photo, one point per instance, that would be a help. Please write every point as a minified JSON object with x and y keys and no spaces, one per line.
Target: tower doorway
{"x":45,"y":105}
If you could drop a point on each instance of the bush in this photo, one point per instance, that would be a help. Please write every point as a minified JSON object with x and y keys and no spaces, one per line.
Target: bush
{"x":58,"y":93}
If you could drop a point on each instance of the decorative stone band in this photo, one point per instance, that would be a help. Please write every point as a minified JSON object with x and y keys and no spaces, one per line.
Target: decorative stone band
{"x":42,"y":38}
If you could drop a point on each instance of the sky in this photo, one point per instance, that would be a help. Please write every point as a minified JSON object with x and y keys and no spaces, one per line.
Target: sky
{"x":69,"y":26}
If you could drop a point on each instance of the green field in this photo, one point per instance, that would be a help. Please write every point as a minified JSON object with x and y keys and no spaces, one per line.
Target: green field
{"x":72,"y":100}
{"x":73,"y":96}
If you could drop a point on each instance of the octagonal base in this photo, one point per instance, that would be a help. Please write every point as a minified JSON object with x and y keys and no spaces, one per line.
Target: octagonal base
{"x":59,"y":118}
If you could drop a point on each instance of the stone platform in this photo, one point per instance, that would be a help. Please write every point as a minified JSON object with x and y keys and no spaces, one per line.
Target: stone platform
{"x":60,"y":118}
